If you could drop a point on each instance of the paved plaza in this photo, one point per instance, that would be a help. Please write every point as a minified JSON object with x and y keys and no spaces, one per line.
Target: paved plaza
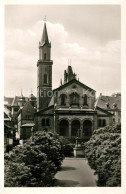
{"x":75,"y":172}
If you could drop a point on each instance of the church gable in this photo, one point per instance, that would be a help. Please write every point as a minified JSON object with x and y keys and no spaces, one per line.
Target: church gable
{"x":74,"y":94}
{"x":76,"y":82}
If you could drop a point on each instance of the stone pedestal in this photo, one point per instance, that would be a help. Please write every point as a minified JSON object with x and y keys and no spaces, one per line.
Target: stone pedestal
{"x":78,"y":152}
{"x":21,"y":142}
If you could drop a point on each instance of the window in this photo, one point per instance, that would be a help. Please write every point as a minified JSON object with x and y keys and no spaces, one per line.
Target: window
{"x":113,"y":119}
{"x":63,"y":99}
{"x":28,"y":117}
{"x":107,"y":105}
{"x":74,"y":99}
{"x":45,"y":78}
{"x":16,"y":109}
{"x":43,"y":122}
{"x":104,"y":123}
{"x":47,"y":122}
{"x":99,"y":122}
{"x":85,"y":99}
{"x":44,"y":56}
{"x":114,"y":105}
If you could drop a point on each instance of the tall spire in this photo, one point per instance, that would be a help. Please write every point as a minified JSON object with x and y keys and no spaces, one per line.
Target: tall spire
{"x":45,"y":35}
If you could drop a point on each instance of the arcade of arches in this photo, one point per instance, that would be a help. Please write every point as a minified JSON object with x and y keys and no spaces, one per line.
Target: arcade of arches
{"x":76,"y":128}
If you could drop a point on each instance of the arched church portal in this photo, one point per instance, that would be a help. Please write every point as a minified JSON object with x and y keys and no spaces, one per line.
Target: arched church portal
{"x":64,"y":128}
{"x":87,"y":129}
{"x":75,"y":128}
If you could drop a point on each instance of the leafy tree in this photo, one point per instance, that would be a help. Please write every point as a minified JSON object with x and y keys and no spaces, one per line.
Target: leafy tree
{"x":67,"y":147}
{"x":103,"y":152}
{"x":35,"y":163}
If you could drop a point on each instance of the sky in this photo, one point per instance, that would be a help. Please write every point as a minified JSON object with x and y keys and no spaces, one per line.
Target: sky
{"x":89,"y":35}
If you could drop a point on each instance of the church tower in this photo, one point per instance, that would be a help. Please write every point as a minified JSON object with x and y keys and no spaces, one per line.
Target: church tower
{"x":44,"y":68}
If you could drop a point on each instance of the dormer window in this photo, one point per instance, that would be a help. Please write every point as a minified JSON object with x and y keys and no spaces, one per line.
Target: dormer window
{"x":114,"y":105}
{"x":107,"y":105}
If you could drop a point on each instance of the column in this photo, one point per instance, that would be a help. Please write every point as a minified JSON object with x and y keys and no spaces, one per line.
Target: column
{"x":81,"y":129}
{"x":69,"y":129}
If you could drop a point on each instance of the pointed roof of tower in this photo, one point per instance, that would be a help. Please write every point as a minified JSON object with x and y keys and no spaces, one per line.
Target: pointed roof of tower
{"x":45,"y":35}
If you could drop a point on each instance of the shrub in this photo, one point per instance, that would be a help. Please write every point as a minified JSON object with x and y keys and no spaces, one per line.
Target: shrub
{"x":103,"y":152}
{"x":67,"y":147}
{"x":34,"y":163}
{"x":51,"y":146}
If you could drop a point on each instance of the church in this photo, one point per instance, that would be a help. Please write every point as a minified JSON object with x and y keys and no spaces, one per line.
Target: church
{"x":69,"y":110}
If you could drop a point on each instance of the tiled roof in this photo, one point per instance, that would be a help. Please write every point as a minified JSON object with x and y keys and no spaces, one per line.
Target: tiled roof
{"x":6,"y":112}
{"x":32,"y":96}
{"x":102,"y":102}
{"x":51,"y":101}
{"x":8,"y":100}
{"x":16,"y":99}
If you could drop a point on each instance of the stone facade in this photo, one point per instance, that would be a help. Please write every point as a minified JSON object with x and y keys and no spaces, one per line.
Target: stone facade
{"x":110,"y":104}
{"x":44,"y":69}
{"x":70,"y":111}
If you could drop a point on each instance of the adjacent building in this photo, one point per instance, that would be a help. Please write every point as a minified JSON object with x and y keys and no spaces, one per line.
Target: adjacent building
{"x":8,"y":129}
{"x":110,"y":104}
{"x":19,"y":112}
